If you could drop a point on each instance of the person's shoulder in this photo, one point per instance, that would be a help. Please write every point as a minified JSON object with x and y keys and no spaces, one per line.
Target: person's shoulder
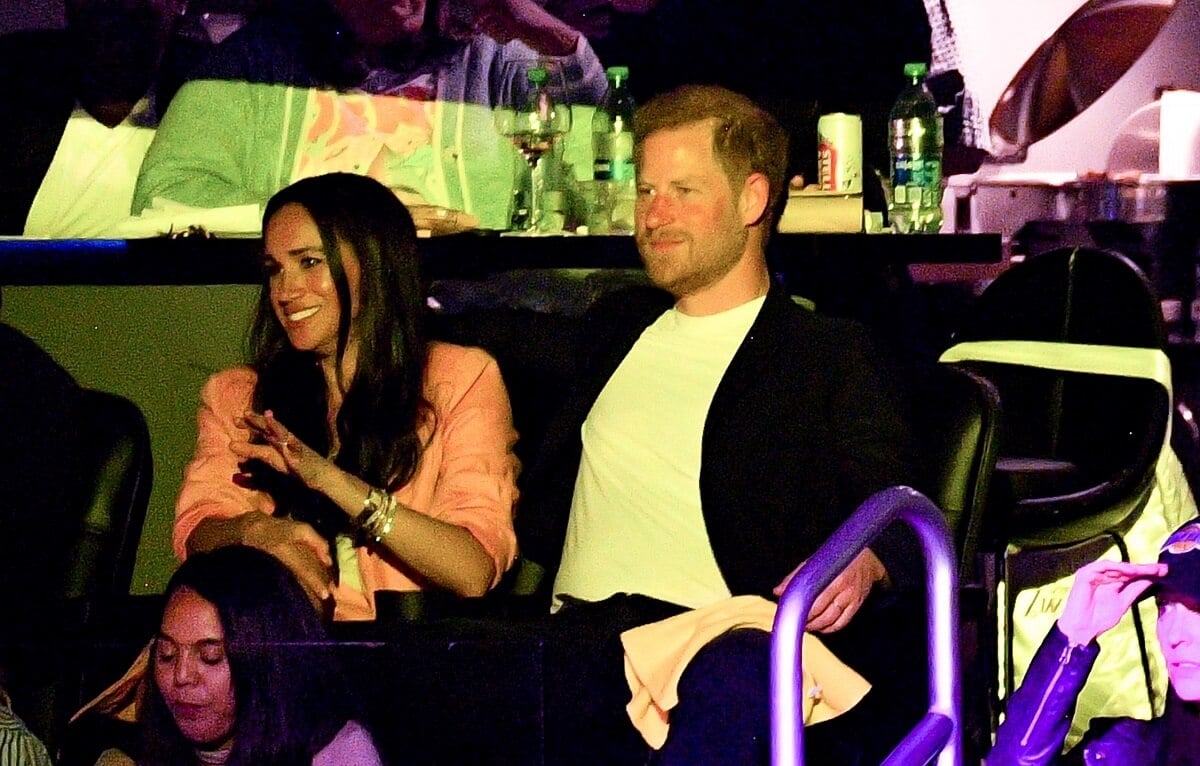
{"x":451,"y":370}
{"x":352,"y":745}
{"x":802,"y":320}
{"x":1124,"y":740}
{"x":20,"y":352}
{"x":450,"y":359}
{"x":18,"y":742}
{"x":636,"y":303}
{"x":34,"y":60}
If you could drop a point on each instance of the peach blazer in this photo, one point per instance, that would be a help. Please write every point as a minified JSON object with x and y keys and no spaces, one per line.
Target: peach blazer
{"x":466,"y":475}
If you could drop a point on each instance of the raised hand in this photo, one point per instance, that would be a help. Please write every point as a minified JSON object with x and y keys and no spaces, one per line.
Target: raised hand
{"x":274,"y":445}
{"x":1102,"y":592}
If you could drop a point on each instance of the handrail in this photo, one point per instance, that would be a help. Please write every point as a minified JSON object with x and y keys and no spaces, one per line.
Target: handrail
{"x":941,"y":729}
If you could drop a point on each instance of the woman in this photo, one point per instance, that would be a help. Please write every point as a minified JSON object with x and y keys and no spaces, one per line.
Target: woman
{"x":241,"y":672}
{"x":1040,"y":712}
{"x":356,"y":452}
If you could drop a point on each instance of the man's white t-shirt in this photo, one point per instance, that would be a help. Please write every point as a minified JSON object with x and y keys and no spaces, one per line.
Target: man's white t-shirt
{"x":636,"y":524}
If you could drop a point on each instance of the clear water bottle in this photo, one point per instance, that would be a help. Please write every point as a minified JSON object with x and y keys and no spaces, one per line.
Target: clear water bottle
{"x":612,"y":154}
{"x":915,"y":133}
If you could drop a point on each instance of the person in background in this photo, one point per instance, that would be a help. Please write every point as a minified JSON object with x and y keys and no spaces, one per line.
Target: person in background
{"x":18,"y":745}
{"x":717,"y":433}
{"x":1039,"y":714}
{"x":399,"y":91}
{"x":82,"y":104}
{"x":358,"y":453}
{"x":241,"y":672}
{"x":597,"y":18}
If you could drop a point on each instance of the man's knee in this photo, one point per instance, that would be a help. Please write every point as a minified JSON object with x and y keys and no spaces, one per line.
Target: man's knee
{"x":731,"y":676}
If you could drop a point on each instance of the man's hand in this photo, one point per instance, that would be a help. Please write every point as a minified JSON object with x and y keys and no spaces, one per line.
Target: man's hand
{"x":842,"y":599}
{"x":591,"y":17}
{"x":1102,"y":592}
{"x":525,"y":20}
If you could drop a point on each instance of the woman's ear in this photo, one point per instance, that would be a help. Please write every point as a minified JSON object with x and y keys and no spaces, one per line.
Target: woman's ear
{"x":756,"y":195}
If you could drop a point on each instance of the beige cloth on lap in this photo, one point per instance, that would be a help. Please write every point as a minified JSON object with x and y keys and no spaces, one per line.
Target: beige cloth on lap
{"x":122,"y":699}
{"x":657,"y":654}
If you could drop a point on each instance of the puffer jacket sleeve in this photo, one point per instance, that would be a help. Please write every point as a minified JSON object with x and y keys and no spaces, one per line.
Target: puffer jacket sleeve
{"x":1039,"y":714}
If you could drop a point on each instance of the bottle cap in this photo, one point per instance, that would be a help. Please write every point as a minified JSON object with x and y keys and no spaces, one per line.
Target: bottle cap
{"x":617,"y":72}
{"x":915,"y":69}
{"x":537,"y":75}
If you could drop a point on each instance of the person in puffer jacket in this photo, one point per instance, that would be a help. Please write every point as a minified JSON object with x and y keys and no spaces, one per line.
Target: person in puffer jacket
{"x":1040,"y":711}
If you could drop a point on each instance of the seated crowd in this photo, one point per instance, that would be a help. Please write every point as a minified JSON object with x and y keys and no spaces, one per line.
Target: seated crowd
{"x":116,"y":123}
{"x":714,"y":434}
{"x":366,"y":458}
{"x":146,"y":116}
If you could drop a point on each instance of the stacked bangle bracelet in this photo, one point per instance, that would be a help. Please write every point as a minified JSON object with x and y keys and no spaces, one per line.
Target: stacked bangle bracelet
{"x":379,"y":511}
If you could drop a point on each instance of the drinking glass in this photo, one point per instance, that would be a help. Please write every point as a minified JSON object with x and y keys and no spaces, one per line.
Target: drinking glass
{"x":533,"y":112}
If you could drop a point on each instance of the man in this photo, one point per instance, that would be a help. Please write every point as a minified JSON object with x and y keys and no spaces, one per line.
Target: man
{"x":717,"y":434}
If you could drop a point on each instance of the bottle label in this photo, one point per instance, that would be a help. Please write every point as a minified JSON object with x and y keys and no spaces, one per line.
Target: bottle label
{"x":612,"y":156}
{"x":912,"y":176}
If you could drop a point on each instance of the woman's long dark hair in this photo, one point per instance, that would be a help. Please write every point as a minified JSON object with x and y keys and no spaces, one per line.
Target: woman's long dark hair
{"x":291,"y":697}
{"x":383,"y":404}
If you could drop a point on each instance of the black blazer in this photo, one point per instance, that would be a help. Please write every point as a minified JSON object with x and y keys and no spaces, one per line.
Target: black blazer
{"x":803,"y":428}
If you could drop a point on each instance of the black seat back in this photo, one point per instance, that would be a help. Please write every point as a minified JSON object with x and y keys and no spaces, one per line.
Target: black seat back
{"x":956,"y":418}
{"x":1105,"y":430}
{"x":111,"y":491}
{"x":115,"y":474}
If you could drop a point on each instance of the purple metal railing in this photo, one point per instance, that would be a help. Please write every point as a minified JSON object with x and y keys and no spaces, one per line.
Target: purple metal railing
{"x":940,"y":729}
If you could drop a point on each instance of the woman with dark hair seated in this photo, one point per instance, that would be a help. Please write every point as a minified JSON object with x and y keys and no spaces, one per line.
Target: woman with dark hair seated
{"x":358,"y":453}
{"x":1039,"y":714}
{"x":241,"y":672}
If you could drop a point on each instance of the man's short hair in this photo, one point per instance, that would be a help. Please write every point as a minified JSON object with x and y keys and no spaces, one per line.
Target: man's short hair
{"x":746,"y":138}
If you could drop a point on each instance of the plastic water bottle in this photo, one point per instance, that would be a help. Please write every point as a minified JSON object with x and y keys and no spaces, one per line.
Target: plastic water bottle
{"x":915,"y":133}
{"x":612,"y":154}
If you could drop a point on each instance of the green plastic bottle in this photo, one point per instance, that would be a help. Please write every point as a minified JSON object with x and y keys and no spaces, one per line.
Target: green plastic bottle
{"x":612,"y":156}
{"x":915,"y":132}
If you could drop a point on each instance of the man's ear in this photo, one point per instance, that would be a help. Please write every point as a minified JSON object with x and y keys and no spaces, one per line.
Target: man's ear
{"x":756,"y":194}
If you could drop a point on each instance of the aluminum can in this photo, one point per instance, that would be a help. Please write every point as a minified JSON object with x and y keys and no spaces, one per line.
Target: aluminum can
{"x":839,"y":153}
